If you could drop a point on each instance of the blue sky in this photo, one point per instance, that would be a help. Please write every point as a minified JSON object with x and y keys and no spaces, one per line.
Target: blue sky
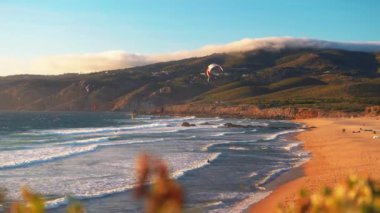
{"x":32,"y":28}
{"x":39,"y":28}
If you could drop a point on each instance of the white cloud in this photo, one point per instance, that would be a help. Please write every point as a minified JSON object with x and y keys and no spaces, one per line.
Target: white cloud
{"x":12,"y":66}
{"x":110,"y":60}
{"x":90,"y":62}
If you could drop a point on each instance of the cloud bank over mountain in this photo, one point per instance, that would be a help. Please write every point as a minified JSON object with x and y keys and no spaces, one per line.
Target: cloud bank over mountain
{"x":94,"y":62}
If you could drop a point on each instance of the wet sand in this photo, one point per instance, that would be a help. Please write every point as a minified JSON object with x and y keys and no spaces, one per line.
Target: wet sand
{"x":335,"y":155}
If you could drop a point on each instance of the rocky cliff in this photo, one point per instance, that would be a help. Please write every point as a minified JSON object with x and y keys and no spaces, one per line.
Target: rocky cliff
{"x":250,"y":111}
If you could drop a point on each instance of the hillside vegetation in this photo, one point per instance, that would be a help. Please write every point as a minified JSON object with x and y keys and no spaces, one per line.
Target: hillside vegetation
{"x":326,"y":79}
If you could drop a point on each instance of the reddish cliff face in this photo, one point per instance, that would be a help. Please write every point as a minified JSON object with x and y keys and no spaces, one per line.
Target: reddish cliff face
{"x":249,"y":111}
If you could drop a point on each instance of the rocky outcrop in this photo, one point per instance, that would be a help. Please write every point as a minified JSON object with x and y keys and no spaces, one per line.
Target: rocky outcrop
{"x":250,"y":111}
{"x":231,"y":125}
{"x":372,"y":111}
{"x":187,"y":124}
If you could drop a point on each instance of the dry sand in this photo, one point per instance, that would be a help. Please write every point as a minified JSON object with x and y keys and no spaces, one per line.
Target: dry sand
{"x":335,"y":155}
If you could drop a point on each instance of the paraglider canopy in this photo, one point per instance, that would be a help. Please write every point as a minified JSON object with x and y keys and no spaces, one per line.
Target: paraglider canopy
{"x":87,"y":88}
{"x":212,"y":67}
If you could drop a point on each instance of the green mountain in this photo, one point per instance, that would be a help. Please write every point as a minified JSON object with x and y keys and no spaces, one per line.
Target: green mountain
{"x":326,"y":79}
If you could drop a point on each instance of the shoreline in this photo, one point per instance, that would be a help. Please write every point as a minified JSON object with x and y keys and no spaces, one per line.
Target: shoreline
{"x":292,"y":173}
{"x":334,"y":156}
{"x":285,"y":177}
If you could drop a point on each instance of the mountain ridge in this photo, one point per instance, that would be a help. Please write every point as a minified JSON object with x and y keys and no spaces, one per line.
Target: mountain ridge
{"x":327,"y":79}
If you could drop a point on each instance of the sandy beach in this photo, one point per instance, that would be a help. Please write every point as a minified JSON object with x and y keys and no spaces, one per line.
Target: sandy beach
{"x":335,"y":155}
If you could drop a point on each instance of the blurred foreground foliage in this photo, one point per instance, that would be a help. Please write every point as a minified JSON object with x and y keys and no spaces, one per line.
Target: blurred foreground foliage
{"x":164,"y":195}
{"x":33,"y":203}
{"x":354,"y":195}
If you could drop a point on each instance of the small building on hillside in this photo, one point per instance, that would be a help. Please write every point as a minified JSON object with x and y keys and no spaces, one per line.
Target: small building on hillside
{"x":166,"y":89}
{"x":160,"y":73}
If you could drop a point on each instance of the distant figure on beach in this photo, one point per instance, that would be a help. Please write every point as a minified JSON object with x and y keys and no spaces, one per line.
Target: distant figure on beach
{"x":208,"y":161}
{"x":133,"y":115}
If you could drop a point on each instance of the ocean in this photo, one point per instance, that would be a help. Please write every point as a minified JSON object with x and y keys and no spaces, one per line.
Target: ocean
{"x":90,"y":157}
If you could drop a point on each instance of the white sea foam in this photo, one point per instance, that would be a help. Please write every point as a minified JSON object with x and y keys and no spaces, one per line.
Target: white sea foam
{"x":78,"y":131}
{"x":207,"y":146}
{"x":275,"y":135}
{"x":305,"y":156}
{"x":271,"y":175}
{"x":203,"y":160}
{"x":214,"y":203}
{"x":210,"y":122}
{"x":143,"y":118}
{"x":237,"y":148}
{"x":262,"y":124}
{"x":252,"y":174}
{"x":176,"y":119}
{"x":302,"y":154}
{"x":228,"y":133}
{"x":243,"y":205}
{"x":86,"y":141}
{"x":147,"y":131}
{"x":126,"y":142}
{"x":276,"y":172}
{"x":229,"y":195}
{"x":51,"y":204}
{"x":102,"y":193}
{"x":196,"y":165}
{"x":290,"y":146}
{"x":219,"y":134}
{"x":20,"y":158}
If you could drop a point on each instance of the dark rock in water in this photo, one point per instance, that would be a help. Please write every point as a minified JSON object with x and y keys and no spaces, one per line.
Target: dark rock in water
{"x":206,"y":123}
{"x":231,"y":125}
{"x":287,"y":127}
{"x":187,"y":124}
